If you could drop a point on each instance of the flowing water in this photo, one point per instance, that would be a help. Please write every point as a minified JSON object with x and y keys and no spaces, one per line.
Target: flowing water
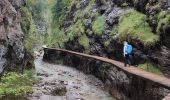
{"x":79,"y":86}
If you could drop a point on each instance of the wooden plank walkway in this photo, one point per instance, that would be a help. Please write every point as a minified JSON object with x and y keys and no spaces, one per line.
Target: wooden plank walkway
{"x":167,"y":97}
{"x":163,"y":81}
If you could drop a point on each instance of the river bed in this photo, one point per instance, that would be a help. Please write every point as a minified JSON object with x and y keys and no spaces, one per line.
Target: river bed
{"x":79,"y":86}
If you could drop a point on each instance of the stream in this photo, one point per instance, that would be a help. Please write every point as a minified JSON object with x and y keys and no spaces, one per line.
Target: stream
{"x":72,"y":83}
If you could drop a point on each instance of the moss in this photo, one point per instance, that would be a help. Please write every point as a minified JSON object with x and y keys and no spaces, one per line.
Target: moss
{"x":163,"y":22}
{"x":76,"y":29}
{"x":61,"y":91}
{"x":107,"y":43}
{"x":150,"y":68}
{"x":15,"y":85}
{"x":89,"y":32}
{"x":84,"y":41}
{"x":114,"y":30}
{"x":134,"y":26}
{"x":98,"y":26}
{"x":83,"y":12}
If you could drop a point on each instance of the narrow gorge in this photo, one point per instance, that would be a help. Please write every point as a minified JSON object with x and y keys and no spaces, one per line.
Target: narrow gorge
{"x":94,"y":27}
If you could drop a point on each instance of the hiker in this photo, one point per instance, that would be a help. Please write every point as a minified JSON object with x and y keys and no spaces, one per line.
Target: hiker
{"x":127,"y":52}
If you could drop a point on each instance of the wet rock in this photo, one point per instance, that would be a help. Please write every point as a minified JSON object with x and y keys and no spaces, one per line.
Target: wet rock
{"x":76,"y":87}
{"x":113,"y":16}
{"x":43,"y":73}
{"x":59,"y":90}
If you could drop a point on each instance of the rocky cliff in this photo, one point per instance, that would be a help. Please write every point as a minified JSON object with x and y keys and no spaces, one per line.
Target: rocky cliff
{"x":99,"y":27}
{"x":13,"y":55}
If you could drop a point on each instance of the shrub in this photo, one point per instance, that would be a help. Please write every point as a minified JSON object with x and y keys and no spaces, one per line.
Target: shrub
{"x":98,"y":26}
{"x":16,"y":85}
{"x":134,"y":26}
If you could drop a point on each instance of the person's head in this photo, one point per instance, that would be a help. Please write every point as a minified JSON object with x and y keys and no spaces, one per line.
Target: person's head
{"x":125,"y":43}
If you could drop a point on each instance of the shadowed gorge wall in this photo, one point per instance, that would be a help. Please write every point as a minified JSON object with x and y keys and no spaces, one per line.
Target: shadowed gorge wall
{"x":122,"y":85}
{"x":13,"y":55}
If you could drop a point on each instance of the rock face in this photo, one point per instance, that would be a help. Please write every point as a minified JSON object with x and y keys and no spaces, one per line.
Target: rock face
{"x":107,"y":42}
{"x":12,"y":51}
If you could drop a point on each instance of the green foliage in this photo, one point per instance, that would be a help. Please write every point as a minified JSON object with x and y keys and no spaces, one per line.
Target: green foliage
{"x":98,"y":25}
{"x":114,"y":30}
{"x":32,"y":36}
{"x":38,"y":7}
{"x":16,"y":85}
{"x":134,"y":26}
{"x":84,"y":41}
{"x":60,"y":8}
{"x":150,"y":68}
{"x":77,"y":28}
{"x":57,"y":38}
{"x":163,"y":22}
{"x":26,"y":19}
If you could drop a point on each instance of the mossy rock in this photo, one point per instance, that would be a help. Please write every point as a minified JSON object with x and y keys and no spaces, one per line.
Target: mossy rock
{"x":163,"y":22}
{"x":59,"y":91}
{"x":98,"y":26}
{"x":85,"y":42}
{"x":134,"y":26}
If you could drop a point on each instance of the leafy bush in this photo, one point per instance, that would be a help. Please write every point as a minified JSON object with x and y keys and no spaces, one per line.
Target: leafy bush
{"x":150,"y":68}
{"x":98,"y":25}
{"x":16,"y":85}
{"x":134,"y":26}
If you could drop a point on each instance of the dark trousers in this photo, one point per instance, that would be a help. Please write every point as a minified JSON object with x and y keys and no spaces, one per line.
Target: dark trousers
{"x":127,"y":59}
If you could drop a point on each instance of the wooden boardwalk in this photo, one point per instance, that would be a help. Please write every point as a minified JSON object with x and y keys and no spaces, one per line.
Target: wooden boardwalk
{"x":163,"y":81}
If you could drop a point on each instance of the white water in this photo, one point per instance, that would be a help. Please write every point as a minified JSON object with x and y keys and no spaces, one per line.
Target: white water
{"x":87,"y":86}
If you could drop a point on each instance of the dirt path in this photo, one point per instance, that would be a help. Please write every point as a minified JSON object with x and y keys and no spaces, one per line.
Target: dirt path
{"x":78,"y":85}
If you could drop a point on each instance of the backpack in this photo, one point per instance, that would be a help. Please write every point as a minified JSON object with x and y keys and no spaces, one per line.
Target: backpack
{"x":129,"y":49}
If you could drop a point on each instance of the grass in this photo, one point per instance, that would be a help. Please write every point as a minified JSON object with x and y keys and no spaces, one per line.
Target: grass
{"x":98,"y":26}
{"x":150,"y":68}
{"x":14,"y":85}
{"x":134,"y":26}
